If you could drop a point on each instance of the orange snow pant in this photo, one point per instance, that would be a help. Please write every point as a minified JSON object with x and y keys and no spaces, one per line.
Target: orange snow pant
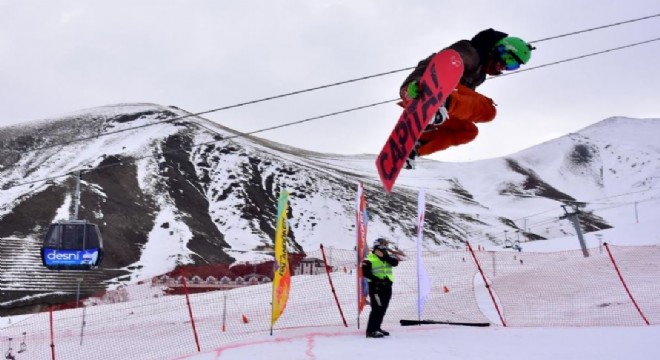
{"x":466,"y":107}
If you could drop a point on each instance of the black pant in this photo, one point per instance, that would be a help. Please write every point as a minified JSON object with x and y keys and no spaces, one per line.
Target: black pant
{"x":379,"y":296}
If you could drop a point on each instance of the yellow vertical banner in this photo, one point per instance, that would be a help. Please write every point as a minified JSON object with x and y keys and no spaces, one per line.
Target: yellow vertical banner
{"x":282,"y":276}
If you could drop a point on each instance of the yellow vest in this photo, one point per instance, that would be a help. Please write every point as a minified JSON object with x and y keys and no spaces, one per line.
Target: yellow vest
{"x":381,"y":269}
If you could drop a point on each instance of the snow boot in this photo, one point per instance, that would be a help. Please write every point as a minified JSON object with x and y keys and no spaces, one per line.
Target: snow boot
{"x":375,"y":334}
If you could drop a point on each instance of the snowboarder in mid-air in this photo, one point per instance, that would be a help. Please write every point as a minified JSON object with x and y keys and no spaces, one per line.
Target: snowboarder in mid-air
{"x":490,"y":52}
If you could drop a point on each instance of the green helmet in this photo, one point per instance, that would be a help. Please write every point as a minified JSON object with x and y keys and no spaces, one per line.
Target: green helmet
{"x":513,"y":52}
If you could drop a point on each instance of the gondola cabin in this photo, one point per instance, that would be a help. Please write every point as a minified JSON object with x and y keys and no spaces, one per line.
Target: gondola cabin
{"x":72,"y":245}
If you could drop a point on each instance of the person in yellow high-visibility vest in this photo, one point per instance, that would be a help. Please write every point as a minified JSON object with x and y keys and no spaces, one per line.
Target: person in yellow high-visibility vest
{"x":377,"y":269}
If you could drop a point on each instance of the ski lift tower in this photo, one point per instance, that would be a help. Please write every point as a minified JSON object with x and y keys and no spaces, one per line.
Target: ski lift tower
{"x":575,"y":219}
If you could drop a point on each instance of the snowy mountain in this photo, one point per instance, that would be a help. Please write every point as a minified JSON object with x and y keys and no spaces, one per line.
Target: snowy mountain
{"x":167,"y":188}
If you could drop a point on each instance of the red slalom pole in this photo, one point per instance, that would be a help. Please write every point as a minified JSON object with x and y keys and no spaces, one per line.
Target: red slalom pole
{"x":52,"y":333}
{"x":625,"y":286}
{"x":190,"y":312}
{"x":490,"y":291}
{"x":334,"y":293}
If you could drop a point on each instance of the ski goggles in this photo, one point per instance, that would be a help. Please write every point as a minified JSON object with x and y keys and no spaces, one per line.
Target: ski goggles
{"x":508,"y":58}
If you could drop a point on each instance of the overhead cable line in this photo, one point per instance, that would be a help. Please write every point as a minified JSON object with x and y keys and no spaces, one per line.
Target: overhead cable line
{"x":594,"y":28}
{"x":299,"y":121}
{"x":224,"y":108}
{"x":587,"y":202}
{"x":316,"y":88}
{"x":295,"y":122}
{"x":352,"y":81}
{"x":171,"y":150}
{"x":554,"y":219}
{"x":577,"y":57}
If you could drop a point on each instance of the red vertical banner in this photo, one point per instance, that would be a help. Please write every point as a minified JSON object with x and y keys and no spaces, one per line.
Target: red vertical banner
{"x":361,"y":219}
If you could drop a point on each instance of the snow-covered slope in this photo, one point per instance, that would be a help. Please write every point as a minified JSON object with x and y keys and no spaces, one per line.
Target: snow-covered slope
{"x":167,"y":188}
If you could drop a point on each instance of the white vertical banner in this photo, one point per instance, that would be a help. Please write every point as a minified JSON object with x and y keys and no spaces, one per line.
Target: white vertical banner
{"x":423,"y":279}
{"x":361,"y":248}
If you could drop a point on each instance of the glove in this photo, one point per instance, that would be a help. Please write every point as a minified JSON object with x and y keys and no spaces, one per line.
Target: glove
{"x":382,"y":250}
{"x":440,"y":116}
{"x":413,"y":89}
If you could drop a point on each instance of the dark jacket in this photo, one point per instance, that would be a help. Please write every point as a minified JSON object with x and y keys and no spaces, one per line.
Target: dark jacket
{"x":474,"y":53}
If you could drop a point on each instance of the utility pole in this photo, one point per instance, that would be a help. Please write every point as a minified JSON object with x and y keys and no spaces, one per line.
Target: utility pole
{"x":575,"y":219}
{"x":600,"y":242}
{"x":76,"y":197}
{"x":79,"y":280}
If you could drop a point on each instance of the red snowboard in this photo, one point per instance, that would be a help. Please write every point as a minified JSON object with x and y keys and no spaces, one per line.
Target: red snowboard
{"x":439,"y":80}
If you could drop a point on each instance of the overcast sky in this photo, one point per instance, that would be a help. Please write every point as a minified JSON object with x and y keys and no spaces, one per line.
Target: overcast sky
{"x":60,"y":56}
